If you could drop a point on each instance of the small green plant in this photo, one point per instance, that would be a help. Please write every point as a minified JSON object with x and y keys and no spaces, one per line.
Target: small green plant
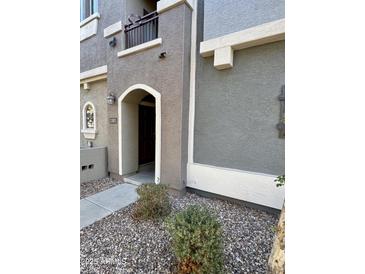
{"x":153,"y":202}
{"x":197,"y":241}
{"x":280,"y":180}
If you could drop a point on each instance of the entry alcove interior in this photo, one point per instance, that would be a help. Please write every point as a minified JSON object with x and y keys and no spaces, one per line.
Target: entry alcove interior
{"x":138,"y":127}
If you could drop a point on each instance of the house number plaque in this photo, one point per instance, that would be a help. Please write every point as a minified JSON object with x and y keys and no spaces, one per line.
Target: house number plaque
{"x":113,"y":120}
{"x":281,"y":125}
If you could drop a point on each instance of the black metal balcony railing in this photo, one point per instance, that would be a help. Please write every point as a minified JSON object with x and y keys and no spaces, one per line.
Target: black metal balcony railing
{"x":142,"y":30}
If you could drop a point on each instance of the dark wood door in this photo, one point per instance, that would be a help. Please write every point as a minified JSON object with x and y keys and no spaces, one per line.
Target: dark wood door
{"x":146,"y":134}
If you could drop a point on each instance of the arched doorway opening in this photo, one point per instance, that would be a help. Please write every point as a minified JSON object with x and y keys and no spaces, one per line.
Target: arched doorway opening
{"x":146,"y":132}
{"x":139,"y":127}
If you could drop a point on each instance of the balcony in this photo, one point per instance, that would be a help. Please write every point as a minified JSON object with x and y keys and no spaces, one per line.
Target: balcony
{"x":142,"y":30}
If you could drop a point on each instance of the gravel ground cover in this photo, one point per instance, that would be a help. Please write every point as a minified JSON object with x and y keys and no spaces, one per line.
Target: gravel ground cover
{"x":120,"y":244}
{"x":91,"y":187}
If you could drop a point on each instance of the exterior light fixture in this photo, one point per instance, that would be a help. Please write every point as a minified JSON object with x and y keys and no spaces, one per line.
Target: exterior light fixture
{"x":113,"y":42}
{"x":162,"y":55}
{"x":110,"y":99}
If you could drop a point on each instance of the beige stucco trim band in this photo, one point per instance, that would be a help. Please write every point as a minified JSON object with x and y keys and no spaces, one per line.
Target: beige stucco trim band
{"x":141,"y":47}
{"x":165,"y":5}
{"x":90,"y":18}
{"x":89,"y":75}
{"x":89,"y":27}
{"x":87,"y":81}
{"x":223,"y":47}
{"x":113,"y":29}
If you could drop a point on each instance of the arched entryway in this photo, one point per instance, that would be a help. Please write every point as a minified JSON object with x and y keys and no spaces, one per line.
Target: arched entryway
{"x":135,"y":107}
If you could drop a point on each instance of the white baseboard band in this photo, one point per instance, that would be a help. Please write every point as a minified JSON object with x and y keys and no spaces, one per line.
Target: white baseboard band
{"x":242,"y":185}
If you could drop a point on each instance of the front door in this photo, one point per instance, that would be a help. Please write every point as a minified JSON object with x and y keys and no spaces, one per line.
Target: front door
{"x":146,"y":134}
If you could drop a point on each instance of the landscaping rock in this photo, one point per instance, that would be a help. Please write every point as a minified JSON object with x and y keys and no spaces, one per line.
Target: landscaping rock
{"x":95,"y":186}
{"x":120,"y":244}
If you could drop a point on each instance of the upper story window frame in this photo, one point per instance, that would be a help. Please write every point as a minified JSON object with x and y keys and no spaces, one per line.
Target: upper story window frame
{"x":88,"y":8}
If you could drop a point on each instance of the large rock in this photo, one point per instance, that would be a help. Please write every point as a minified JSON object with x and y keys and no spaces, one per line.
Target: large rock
{"x":277,"y":256}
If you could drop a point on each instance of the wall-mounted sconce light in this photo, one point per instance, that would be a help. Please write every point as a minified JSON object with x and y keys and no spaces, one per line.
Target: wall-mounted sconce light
{"x":110,"y":99}
{"x":162,"y":55}
{"x":113,"y":42}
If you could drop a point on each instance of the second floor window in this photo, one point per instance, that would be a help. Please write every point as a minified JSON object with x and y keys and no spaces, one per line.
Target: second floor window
{"x":88,"y":8}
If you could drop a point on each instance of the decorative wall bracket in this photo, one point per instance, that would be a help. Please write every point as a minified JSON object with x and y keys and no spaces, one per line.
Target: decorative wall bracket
{"x":281,"y":125}
{"x":223,"y":47}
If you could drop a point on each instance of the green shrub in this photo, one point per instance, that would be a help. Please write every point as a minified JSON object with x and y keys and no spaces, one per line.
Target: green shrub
{"x":197,"y":241}
{"x":153,"y":202}
{"x":280,"y":180}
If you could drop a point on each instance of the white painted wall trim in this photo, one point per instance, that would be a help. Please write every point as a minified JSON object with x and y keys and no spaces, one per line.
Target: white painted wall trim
{"x":223,"y":47}
{"x":89,"y":133}
{"x":93,"y":73}
{"x":157,"y":96}
{"x":223,"y":58}
{"x":165,"y":5}
{"x":141,"y":47}
{"x":86,"y":83}
{"x":194,"y":22}
{"x":242,"y":185}
{"x":91,"y":17}
{"x":113,"y":29}
{"x":89,"y":27}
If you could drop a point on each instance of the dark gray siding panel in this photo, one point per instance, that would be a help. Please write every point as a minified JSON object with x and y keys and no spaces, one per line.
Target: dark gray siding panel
{"x":237,"y":111}
{"x":223,"y":17}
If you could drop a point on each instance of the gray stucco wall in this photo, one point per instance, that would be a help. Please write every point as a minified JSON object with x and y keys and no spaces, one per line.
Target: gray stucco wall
{"x":170,"y":77}
{"x":93,"y":51}
{"x":223,"y":17}
{"x":237,"y":111}
{"x":96,"y":95}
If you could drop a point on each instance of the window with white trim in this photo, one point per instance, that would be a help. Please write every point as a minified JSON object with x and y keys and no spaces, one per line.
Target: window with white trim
{"x":89,"y":116}
{"x":89,"y":121}
{"x":88,"y":8}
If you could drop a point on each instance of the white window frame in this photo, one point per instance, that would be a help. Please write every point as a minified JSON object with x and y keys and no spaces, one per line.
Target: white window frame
{"x":94,"y":6}
{"x":89,"y":133}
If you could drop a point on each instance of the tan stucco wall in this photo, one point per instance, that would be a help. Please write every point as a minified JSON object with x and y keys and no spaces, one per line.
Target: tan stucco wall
{"x":96,"y":95}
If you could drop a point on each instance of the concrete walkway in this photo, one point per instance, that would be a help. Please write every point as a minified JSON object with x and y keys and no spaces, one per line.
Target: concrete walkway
{"x":99,"y":205}
{"x":145,"y":175}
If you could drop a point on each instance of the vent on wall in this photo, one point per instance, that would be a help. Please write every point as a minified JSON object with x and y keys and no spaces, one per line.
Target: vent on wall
{"x":83,"y":168}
